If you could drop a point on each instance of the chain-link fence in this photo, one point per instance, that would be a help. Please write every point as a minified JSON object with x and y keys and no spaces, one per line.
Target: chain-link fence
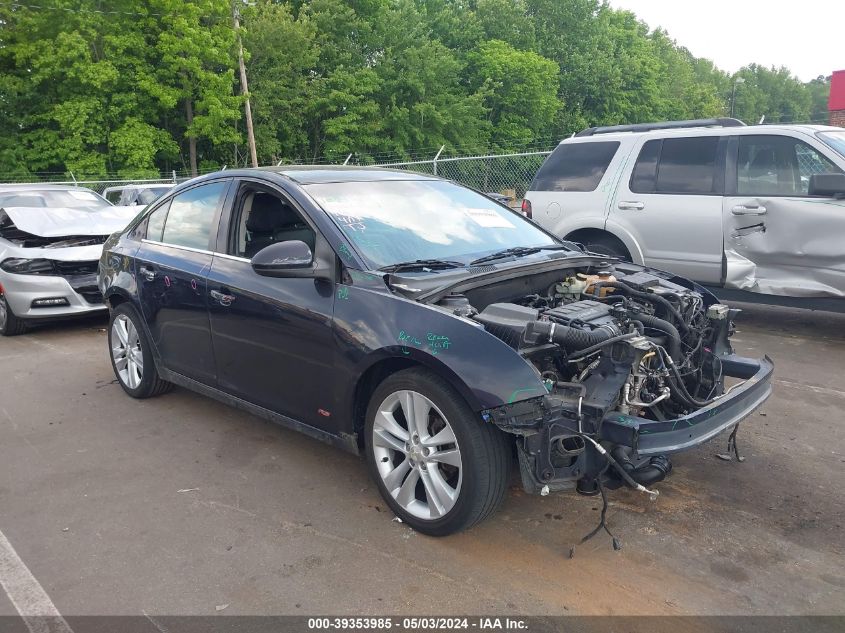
{"x":506,"y":174}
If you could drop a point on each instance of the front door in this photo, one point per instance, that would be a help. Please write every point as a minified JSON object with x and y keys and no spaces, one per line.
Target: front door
{"x":671,"y":205}
{"x":778,"y":239}
{"x":272,"y":337}
{"x":171,"y":269}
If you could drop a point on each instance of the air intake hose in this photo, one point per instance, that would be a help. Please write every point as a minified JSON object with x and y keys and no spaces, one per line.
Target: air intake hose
{"x":645,"y":296}
{"x":674,"y":337}
{"x":569,"y":338}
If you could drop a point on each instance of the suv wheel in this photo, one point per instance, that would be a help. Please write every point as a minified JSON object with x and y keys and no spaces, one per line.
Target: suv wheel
{"x":437,"y":465}
{"x":131,"y":355}
{"x":10,"y":325}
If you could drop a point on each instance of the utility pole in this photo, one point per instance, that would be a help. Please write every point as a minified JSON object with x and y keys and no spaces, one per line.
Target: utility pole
{"x":250,"y":135}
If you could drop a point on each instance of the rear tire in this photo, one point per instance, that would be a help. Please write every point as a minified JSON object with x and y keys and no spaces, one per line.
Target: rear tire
{"x":10,"y":325}
{"x":132,"y":355}
{"x":608,"y":245}
{"x":441,"y":469}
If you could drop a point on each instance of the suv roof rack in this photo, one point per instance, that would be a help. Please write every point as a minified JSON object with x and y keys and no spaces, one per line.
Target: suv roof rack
{"x":665,"y":125}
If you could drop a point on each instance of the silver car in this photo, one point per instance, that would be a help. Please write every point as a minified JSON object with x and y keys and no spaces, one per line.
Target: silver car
{"x":138,"y":194}
{"x":749,"y":208}
{"x":51,"y":238}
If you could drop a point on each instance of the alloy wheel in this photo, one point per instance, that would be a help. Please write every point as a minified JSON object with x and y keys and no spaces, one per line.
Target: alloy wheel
{"x":417,"y":455}
{"x":126,"y":351}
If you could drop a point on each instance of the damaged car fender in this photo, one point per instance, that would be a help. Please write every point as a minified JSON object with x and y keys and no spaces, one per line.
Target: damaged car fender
{"x":374,"y":327}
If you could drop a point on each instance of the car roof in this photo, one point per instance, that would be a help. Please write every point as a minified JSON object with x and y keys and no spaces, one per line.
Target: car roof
{"x":315,"y":174}
{"x":705,"y":131}
{"x":40,"y":187}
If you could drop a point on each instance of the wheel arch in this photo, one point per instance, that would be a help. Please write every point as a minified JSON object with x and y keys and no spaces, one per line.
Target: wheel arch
{"x":616,"y":233}
{"x":382,"y":367}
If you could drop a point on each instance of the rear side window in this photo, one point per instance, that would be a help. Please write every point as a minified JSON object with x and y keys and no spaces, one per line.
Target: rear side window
{"x":191,"y":215}
{"x":687,"y":165}
{"x":575,"y":167}
{"x":677,"y":165}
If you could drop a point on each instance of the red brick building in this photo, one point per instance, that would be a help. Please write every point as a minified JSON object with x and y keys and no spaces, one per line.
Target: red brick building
{"x":836,"y":103}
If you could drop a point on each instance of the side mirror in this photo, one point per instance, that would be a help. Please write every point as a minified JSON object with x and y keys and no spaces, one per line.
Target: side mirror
{"x":828,"y":185}
{"x":292,"y":258}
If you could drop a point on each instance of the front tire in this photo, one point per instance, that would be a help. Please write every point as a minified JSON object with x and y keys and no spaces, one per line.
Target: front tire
{"x":131,"y":355}
{"x":10,"y":325}
{"x":439,"y":467}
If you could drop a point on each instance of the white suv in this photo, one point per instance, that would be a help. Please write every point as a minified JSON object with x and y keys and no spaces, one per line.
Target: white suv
{"x":756,"y":208}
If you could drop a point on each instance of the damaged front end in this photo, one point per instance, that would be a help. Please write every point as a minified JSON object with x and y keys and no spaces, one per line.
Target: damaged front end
{"x":636,"y":367}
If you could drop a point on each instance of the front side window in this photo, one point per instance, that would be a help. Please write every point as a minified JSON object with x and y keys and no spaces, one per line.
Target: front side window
{"x":777,"y":166}
{"x":264,"y":218}
{"x":187,"y":218}
{"x":687,"y":165}
{"x":836,"y":140}
{"x":392,"y":221}
{"x":575,"y":167}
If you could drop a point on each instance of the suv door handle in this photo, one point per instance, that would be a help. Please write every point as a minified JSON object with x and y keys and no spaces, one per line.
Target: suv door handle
{"x":222,"y":298}
{"x":147,"y":272}
{"x":742,"y":209}
{"x":632,"y":206}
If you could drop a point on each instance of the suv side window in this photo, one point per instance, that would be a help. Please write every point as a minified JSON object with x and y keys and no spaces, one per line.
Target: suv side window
{"x":575,"y":166}
{"x":777,"y":166}
{"x":677,"y":165}
{"x":687,"y":165}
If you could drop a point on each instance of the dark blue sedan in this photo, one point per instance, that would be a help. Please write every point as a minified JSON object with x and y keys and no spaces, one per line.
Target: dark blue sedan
{"x":431,"y":328}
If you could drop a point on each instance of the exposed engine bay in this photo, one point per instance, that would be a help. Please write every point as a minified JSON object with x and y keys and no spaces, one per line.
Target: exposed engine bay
{"x":615,"y":348}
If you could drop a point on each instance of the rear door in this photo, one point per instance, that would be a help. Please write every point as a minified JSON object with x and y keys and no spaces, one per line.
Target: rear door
{"x":670,"y":203}
{"x":778,"y":239}
{"x":171,"y":269}
{"x":572,"y":188}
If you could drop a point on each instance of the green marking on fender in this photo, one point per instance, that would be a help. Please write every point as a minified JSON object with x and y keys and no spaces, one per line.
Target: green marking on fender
{"x":518,"y":391}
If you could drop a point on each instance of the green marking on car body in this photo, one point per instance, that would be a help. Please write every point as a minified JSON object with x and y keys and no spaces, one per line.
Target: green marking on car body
{"x":512,"y":399}
{"x":343,"y":292}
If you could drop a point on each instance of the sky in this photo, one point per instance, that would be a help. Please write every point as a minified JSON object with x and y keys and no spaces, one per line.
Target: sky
{"x":809,"y":39}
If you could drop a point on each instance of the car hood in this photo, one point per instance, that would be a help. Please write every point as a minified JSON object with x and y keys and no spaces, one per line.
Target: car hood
{"x":62,"y":221}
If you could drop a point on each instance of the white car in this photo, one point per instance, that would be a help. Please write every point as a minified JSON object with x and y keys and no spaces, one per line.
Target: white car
{"x":752,"y":208}
{"x":51,"y":239}
{"x":136,"y":195}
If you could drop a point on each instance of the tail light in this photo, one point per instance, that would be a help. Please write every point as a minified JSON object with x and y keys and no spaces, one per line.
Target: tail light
{"x":526,"y":208}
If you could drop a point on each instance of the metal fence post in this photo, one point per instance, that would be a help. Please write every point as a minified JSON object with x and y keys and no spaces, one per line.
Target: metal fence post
{"x":434,"y":162}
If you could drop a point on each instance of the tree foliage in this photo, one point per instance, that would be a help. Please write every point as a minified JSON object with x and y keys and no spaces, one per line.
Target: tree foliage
{"x":135,"y":87}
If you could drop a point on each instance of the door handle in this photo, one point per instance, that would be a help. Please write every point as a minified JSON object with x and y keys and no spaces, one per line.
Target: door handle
{"x":631,"y":206}
{"x":742,"y":209}
{"x":222,"y":298}
{"x":147,"y":273}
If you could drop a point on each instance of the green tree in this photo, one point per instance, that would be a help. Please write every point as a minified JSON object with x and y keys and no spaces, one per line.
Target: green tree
{"x":522,"y":89}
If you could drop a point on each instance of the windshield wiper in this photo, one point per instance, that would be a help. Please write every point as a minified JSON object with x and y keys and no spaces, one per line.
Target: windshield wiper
{"x":517,"y":251}
{"x":422,"y":264}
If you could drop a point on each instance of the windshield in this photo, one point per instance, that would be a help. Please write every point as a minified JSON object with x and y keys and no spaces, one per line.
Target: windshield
{"x":72,"y":199}
{"x":835,"y":139}
{"x":392,"y":221}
